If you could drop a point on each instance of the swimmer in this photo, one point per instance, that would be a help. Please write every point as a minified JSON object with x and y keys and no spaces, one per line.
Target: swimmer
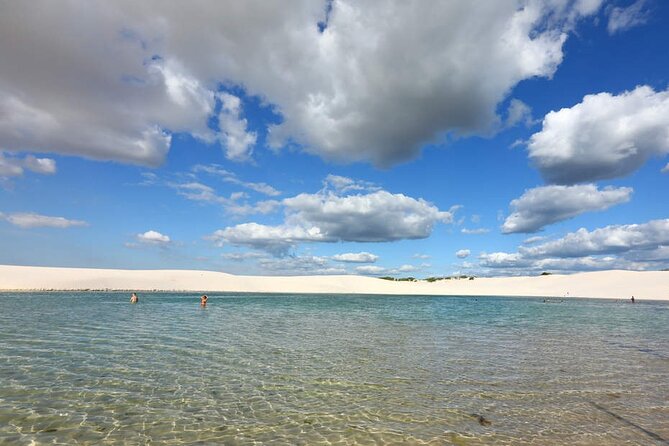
{"x":203,"y":300}
{"x":134,"y":299}
{"x":632,"y":299}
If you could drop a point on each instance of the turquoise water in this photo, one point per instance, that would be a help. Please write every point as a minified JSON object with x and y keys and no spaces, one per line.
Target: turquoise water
{"x":89,"y":368}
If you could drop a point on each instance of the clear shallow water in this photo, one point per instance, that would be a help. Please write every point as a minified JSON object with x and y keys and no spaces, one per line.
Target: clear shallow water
{"x":90,"y":368}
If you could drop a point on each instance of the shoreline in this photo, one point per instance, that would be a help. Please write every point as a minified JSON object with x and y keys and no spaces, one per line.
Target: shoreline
{"x":613,"y":284}
{"x":211,"y":294}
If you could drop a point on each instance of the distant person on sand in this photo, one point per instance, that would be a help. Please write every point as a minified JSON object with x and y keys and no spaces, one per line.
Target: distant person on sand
{"x":203,"y":300}
{"x":133,"y":298}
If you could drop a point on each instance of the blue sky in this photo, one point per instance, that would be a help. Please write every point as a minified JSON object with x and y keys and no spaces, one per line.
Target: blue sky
{"x":420,"y":139}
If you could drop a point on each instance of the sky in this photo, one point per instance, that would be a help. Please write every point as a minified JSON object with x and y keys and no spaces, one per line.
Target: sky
{"x":408,"y":138}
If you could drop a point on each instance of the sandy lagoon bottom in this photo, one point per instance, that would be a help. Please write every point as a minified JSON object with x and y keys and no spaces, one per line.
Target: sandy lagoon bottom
{"x":87,"y":368}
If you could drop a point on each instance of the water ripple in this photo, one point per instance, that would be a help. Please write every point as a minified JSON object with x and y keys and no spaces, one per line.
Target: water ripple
{"x":89,"y":368}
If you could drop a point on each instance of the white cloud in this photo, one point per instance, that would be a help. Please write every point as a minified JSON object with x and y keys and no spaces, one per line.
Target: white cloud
{"x":476,"y":231}
{"x":634,"y":247}
{"x":190,"y":102}
{"x":229,"y":177}
{"x":369,"y":105}
{"x":141,"y":72}
{"x":238,"y":142}
{"x":198,"y":192}
{"x":340,"y":185}
{"x":408,"y":268}
{"x":589,"y":263}
{"x":518,"y":143}
{"x":532,"y":240}
{"x":374,"y":270}
{"x":661,"y":254}
{"x":665,"y":169}
{"x":148,"y":179}
{"x":110,"y":120}
{"x":32,"y":220}
{"x":608,"y":240}
{"x":242,"y":256}
{"x":40,"y":165}
{"x":463,"y":253}
{"x":338,"y":182}
{"x":624,"y":18}
{"x":421,"y":256}
{"x":503,"y":260}
{"x":356,"y":257}
{"x":14,"y":166}
{"x":545,"y":205}
{"x":325,"y":217}
{"x":292,"y":265}
{"x":604,"y":136}
{"x":201,"y":192}
{"x":374,"y":217}
{"x":274,"y":239}
{"x":514,"y":263}
{"x":238,"y":195}
{"x":519,"y":112}
{"x":153,"y":238}
{"x":371,"y":270}
{"x":10,"y":167}
{"x":259,"y":207}
{"x":286,"y":265}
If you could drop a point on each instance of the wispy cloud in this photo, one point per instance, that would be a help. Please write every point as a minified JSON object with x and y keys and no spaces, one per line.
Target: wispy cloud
{"x":342,"y":185}
{"x":476,"y":231}
{"x":32,"y":220}
{"x":624,"y":18}
{"x":519,"y":113}
{"x":196,"y":191}
{"x":229,"y":177}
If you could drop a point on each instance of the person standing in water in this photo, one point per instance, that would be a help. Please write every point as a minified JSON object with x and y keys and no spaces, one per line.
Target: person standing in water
{"x":632,"y":299}
{"x":203,"y":300}
{"x":133,"y":298}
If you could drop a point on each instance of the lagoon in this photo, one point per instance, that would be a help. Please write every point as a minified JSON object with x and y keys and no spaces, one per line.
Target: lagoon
{"x":90,"y":368}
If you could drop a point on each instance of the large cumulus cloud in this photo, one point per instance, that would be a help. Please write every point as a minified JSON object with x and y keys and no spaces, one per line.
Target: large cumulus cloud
{"x":633,"y":246}
{"x":115,"y":80}
{"x":544,"y":205}
{"x":326,"y":217}
{"x":604,"y":136}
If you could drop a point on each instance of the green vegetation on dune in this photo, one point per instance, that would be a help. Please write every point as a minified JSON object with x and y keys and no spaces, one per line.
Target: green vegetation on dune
{"x":428,"y":279}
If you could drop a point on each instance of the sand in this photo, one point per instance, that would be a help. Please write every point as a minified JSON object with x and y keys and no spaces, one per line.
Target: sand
{"x":602,"y":284}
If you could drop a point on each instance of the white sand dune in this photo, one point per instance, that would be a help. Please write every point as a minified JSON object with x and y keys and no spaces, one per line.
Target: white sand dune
{"x":605,"y":284}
